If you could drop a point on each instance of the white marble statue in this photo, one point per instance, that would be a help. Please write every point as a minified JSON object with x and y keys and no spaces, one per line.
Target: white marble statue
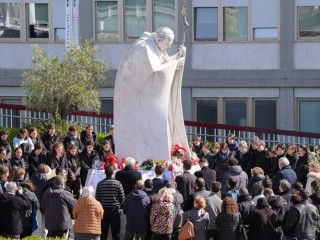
{"x":147,"y":99}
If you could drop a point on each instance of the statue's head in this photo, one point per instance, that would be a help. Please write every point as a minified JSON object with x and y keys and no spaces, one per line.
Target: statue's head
{"x":164,"y":38}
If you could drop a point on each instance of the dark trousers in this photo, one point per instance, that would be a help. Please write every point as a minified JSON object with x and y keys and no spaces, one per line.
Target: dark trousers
{"x":75,"y":187}
{"x":156,"y":236}
{"x":58,"y":233}
{"x":26,"y":232}
{"x":130,"y":235}
{"x":110,"y":217}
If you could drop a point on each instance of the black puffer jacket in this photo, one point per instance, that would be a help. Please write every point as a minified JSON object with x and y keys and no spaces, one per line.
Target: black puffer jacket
{"x":279,"y":205}
{"x":228,"y":224}
{"x":245,"y":206}
{"x":255,"y":184}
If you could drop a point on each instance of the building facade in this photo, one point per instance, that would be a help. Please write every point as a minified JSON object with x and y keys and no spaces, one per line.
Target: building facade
{"x":249,"y":62}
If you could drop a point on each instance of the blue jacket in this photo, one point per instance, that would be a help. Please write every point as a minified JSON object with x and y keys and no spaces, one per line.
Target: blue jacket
{"x":285,"y":173}
{"x":137,"y":208}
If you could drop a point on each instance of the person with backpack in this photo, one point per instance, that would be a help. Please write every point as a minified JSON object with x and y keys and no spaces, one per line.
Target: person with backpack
{"x":233,"y":192}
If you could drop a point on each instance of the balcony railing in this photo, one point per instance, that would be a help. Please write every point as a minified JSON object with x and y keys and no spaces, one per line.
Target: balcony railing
{"x":17,"y":115}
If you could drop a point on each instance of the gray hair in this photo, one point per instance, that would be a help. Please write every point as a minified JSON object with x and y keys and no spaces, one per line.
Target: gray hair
{"x":11,"y":187}
{"x":87,"y":192}
{"x":285,"y":185}
{"x":283,"y":161}
{"x":243,"y":143}
{"x":130,"y":161}
{"x":164,"y":32}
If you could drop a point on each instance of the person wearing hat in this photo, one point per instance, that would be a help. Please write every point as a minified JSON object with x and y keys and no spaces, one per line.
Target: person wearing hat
{"x":4,"y":143}
{"x":72,"y":138}
{"x":262,"y":221}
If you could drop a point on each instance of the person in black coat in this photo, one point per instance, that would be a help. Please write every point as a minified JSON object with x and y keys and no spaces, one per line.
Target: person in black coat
{"x":186,"y":181}
{"x":245,"y":204}
{"x":12,"y":202}
{"x":262,"y":221}
{"x":205,"y":153}
{"x":206,"y":173}
{"x":281,"y":150}
{"x":261,"y":159}
{"x":158,"y":181}
{"x":302,"y":168}
{"x":57,"y":157}
{"x":128,"y":177}
{"x":221,"y":161}
{"x":137,"y":203}
{"x":277,"y":203}
{"x":73,"y":139}
{"x":36,"y":158}
{"x":35,"y":138}
{"x":87,"y":158}
{"x":255,"y":183}
{"x":244,"y":158}
{"x":18,"y":161}
{"x":90,"y":135}
{"x":292,"y":155}
{"x":4,"y":143}
{"x":50,"y":137}
{"x":74,"y":168}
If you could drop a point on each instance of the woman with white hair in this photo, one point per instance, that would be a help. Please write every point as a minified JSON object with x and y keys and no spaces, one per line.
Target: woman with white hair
{"x":313,"y":175}
{"x":88,"y":213}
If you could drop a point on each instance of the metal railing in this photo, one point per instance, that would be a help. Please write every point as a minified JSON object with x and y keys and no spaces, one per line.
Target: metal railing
{"x":17,"y":115}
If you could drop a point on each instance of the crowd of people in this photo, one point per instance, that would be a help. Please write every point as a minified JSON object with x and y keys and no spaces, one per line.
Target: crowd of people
{"x":243,"y":189}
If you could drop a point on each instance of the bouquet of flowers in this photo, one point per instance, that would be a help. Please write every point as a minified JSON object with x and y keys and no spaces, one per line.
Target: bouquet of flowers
{"x":161,"y":162}
{"x":178,"y":151}
{"x":113,"y":160}
{"x":147,"y":164}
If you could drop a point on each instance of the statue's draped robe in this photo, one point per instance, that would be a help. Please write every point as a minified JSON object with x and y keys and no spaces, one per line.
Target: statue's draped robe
{"x":147,"y":103}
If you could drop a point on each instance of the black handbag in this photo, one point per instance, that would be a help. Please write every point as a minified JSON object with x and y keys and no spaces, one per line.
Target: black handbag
{"x":241,"y":231}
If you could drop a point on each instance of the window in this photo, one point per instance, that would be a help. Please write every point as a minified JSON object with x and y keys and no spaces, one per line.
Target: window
{"x":13,"y":121}
{"x":59,"y":34}
{"x":235,"y":23}
{"x":236,"y":112}
{"x":37,"y":20}
{"x":107,"y":105}
{"x":121,"y":20}
{"x":164,"y":14}
{"x":309,"y":116}
{"x":207,"y":111}
{"x":107,"y":20}
{"x":206,"y":24}
{"x":10,"y":22}
{"x":135,"y":18}
{"x":265,"y":112}
{"x":309,"y":21}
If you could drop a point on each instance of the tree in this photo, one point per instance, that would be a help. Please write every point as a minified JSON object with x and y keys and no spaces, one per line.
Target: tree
{"x":66,"y":85}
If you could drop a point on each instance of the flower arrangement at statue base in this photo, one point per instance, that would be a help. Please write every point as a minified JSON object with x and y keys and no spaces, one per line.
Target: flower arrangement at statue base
{"x":147,"y":164}
{"x":112,"y":159}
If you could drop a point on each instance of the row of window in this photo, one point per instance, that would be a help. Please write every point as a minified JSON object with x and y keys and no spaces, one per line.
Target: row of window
{"x":262,"y":113}
{"x":142,"y":15}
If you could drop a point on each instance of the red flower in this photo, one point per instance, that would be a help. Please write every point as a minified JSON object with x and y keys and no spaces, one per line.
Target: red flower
{"x":178,"y":150}
{"x":112,"y":159}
